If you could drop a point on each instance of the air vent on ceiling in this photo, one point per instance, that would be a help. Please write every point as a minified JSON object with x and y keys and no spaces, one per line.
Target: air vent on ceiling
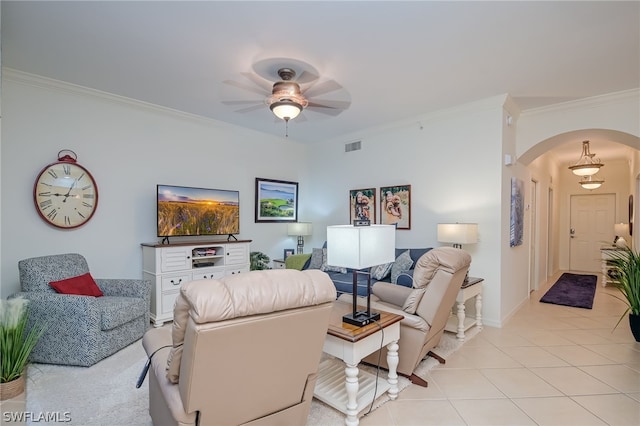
{"x":353,"y":146}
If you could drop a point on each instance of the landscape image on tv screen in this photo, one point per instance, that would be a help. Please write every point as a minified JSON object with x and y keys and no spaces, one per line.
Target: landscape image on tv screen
{"x":186,"y":211}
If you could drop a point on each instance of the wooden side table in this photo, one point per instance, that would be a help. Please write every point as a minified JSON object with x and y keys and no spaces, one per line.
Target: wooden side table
{"x":351,"y":344}
{"x":278,"y":264}
{"x":459,"y":324}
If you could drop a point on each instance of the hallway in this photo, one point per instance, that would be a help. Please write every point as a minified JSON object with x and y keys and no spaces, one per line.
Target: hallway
{"x":549,"y":365}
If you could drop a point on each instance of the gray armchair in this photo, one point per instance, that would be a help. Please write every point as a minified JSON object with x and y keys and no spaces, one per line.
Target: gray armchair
{"x":81,"y":330}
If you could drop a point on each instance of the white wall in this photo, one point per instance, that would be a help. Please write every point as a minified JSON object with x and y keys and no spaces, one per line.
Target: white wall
{"x":453,"y":162}
{"x":129,"y":147}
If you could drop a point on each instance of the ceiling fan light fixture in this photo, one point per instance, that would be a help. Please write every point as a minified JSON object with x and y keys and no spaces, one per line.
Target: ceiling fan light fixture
{"x":588,"y":182}
{"x":586,"y":165}
{"x":286,"y":109}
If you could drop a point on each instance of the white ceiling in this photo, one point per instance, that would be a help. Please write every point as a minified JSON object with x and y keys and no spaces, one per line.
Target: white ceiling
{"x":394,"y":60}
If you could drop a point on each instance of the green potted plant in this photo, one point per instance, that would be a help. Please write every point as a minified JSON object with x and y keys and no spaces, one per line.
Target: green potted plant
{"x":258,"y":261}
{"x":16,"y":344}
{"x":626,"y":264}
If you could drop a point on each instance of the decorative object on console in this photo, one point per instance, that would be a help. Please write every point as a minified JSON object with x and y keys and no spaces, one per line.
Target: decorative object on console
{"x":287,"y":253}
{"x":358,"y":248}
{"x":276,"y":201}
{"x":586,"y":165}
{"x":620,"y":229}
{"x":458,"y":233}
{"x":362,"y":205}
{"x":395,"y":206}
{"x":65,"y":194}
{"x":516,"y":225}
{"x":300,"y":230}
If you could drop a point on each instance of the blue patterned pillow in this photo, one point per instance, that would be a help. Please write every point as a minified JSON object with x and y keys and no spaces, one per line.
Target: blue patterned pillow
{"x":401,"y":266}
{"x":380,"y":272}
{"x":316,"y":259}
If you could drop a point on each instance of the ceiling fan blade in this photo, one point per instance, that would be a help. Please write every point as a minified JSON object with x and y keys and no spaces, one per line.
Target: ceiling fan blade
{"x":327,"y":111}
{"x":255,"y":79}
{"x":251,"y":108}
{"x":329,"y":104}
{"x":306,"y":77}
{"x":243,"y":102}
{"x":247,"y":87}
{"x":322,"y":88}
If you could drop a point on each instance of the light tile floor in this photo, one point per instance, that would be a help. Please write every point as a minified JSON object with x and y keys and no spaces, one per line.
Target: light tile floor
{"x":549,"y":365}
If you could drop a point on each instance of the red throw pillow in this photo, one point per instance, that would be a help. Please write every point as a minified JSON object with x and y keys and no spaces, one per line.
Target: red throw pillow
{"x":83,"y":285}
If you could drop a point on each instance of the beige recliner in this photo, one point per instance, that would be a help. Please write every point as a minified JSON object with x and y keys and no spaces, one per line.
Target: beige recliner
{"x":243,"y":350}
{"x":437,"y":278}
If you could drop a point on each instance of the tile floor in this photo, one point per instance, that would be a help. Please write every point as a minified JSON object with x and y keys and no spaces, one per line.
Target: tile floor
{"x":549,"y":365}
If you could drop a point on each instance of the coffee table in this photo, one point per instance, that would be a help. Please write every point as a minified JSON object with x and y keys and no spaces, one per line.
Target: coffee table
{"x":351,"y":344}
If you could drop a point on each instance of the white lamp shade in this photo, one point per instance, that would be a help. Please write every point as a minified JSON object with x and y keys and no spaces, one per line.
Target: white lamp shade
{"x":299,"y":228}
{"x":359,"y":247}
{"x":458,"y":233}
{"x":621,"y":229}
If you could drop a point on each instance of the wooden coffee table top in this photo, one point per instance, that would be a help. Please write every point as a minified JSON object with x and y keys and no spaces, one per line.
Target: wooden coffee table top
{"x":351,"y":332}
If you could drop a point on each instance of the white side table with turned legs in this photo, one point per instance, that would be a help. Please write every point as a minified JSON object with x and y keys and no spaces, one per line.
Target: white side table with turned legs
{"x":340,"y":383}
{"x":460,"y":323}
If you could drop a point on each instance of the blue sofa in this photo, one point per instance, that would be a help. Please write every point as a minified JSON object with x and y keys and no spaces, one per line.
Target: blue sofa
{"x":343,"y":281}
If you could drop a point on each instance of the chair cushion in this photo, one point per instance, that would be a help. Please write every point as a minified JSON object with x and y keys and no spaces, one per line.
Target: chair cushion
{"x":446,"y":258}
{"x":251,"y":293}
{"x":117,"y":310}
{"x":82,"y":285}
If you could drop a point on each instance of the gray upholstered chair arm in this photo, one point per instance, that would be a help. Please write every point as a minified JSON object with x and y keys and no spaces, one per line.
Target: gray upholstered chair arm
{"x":124,"y":287}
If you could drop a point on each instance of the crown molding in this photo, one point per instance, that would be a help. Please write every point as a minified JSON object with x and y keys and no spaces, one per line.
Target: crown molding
{"x":591,"y":102}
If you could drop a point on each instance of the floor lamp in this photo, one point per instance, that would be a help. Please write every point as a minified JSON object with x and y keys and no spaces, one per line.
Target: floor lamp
{"x":359,"y":247}
{"x":300,"y":230}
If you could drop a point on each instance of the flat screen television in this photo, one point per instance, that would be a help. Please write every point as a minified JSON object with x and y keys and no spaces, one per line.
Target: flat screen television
{"x":187,"y":211}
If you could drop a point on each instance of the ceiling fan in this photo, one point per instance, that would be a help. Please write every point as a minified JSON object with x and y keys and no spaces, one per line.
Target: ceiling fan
{"x":291,"y":93}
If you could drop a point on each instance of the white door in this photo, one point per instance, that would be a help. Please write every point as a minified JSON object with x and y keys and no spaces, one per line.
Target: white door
{"x":591,"y":227}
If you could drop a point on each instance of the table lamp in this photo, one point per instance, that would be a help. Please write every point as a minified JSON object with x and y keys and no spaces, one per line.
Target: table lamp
{"x":458,"y":233}
{"x":299,"y":229}
{"x":359,"y":247}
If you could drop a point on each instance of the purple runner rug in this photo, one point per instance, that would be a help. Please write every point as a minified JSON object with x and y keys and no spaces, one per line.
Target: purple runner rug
{"x":572,"y":290}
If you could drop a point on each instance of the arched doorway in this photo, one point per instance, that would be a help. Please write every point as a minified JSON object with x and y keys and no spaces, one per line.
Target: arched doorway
{"x":552,"y":174}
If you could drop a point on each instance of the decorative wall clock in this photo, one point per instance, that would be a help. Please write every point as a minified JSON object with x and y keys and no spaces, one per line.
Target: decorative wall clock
{"x":65,"y":194}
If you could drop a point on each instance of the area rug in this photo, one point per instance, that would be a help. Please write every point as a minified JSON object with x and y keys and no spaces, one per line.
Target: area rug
{"x":105,"y":394}
{"x":574,"y":290}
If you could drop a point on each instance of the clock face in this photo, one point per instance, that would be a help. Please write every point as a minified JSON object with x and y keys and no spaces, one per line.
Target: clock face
{"x":65,"y":195}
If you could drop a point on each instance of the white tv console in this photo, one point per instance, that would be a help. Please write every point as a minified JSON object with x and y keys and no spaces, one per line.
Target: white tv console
{"x":168,"y":266}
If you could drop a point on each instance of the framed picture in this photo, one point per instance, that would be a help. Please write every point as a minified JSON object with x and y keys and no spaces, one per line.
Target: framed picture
{"x":287,"y":253}
{"x":517,"y":212}
{"x":276,"y":201}
{"x":362,"y":204}
{"x":395,"y":206}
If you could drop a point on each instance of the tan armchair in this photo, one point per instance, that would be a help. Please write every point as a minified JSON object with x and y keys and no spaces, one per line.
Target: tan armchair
{"x":244,"y":350}
{"x":426,"y":307}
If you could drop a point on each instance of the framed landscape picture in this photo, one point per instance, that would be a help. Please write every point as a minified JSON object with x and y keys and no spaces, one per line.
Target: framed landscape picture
{"x":362,"y":204}
{"x":276,"y":201}
{"x":395,"y":206}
